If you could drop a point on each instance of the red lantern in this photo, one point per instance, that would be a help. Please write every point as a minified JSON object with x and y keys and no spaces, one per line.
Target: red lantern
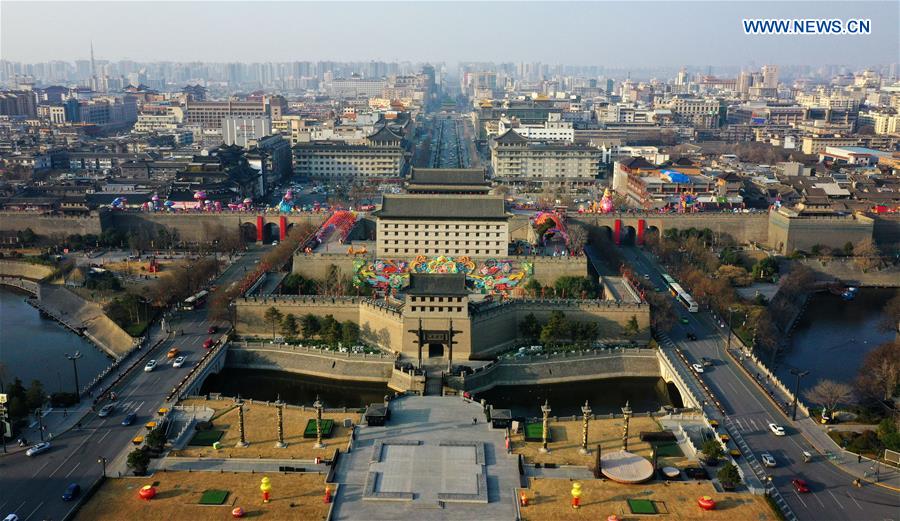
{"x":237,"y":512}
{"x":706,"y":503}
{"x":147,"y":492}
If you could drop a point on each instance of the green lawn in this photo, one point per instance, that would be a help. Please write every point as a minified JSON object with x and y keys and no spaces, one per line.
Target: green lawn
{"x":668,"y":450}
{"x":641,"y":506}
{"x":535,"y":432}
{"x":213,"y":497}
{"x":327,"y":428}
{"x":206,"y":438}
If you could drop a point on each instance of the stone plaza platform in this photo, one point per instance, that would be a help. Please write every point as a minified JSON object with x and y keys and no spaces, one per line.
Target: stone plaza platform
{"x":429,"y":462}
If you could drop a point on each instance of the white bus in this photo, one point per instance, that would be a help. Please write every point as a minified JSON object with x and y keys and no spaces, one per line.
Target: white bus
{"x":195,"y":301}
{"x":684,"y":297}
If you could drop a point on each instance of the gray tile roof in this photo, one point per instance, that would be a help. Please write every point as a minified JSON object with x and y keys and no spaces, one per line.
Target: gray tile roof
{"x":471,"y":207}
{"x":437,"y":284}
{"x":448,"y":176}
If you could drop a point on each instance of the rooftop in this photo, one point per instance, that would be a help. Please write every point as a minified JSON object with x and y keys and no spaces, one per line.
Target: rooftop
{"x":437,"y":284}
{"x":474,"y":207}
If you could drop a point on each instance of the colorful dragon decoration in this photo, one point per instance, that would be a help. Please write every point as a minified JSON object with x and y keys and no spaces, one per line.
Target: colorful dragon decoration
{"x":553,"y":225}
{"x":490,"y":276}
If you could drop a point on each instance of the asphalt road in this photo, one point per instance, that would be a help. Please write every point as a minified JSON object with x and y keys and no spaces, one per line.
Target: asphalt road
{"x":31,"y":487}
{"x":832,"y":495}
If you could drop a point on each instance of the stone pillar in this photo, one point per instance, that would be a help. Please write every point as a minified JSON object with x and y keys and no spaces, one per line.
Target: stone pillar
{"x":318,"y":405}
{"x":585,"y":418}
{"x":243,"y":440}
{"x":545,"y":410}
{"x":279,"y":415}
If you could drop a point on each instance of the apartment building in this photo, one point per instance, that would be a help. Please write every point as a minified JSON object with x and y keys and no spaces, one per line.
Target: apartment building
{"x":211,"y":114}
{"x":554,"y":129}
{"x":516,"y":159}
{"x":381,"y":157}
{"x":474,"y":226}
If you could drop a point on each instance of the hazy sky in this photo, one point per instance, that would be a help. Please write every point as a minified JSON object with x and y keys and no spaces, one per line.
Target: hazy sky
{"x":614,"y":34}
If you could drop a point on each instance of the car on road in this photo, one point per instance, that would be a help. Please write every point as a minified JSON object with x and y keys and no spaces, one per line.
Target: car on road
{"x":684,"y":320}
{"x":179,"y":361}
{"x":800,"y":485}
{"x":106,"y":410}
{"x":151,"y":365}
{"x":129,"y":418}
{"x":72,"y":492}
{"x":208,"y":344}
{"x":212,"y":329}
{"x":34,"y":450}
{"x":697,"y":367}
{"x":274,"y":243}
{"x":646,"y":276}
{"x":776,"y":429}
{"x":11,"y":517}
{"x":172,"y":353}
{"x":691,"y":336}
{"x":767,"y":460}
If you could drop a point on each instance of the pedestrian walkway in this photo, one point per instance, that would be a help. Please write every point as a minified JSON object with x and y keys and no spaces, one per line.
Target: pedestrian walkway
{"x":860,"y":467}
{"x":563,"y":472}
{"x":237,"y":465}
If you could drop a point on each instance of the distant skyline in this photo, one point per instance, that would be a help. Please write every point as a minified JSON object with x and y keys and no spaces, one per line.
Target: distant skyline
{"x":611,"y":34}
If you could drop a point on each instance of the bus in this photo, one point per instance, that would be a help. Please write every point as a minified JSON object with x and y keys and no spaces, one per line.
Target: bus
{"x":681,"y":295}
{"x":195,"y":301}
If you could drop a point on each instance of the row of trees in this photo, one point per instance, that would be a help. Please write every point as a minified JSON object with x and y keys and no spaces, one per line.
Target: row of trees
{"x":560,"y":330}
{"x":21,"y":401}
{"x":310,"y":326}
{"x":565,"y":287}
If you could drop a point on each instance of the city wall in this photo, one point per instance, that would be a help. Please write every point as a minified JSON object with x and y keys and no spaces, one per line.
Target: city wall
{"x":50,"y":225}
{"x":744,"y":228}
{"x":788,"y":234}
{"x":196,"y":227}
{"x":24,"y":270}
{"x":310,"y":361}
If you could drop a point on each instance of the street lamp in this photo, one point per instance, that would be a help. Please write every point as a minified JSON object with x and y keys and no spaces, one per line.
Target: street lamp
{"x":799,"y":374}
{"x":74,"y":358}
{"x":730,"y":316}
{"x":102,"y":461}
{"x":318,"y":406}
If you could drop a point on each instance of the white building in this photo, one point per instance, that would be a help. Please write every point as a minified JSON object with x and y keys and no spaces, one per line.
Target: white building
{"x":554,"y":129}
{"x":240,"y":131}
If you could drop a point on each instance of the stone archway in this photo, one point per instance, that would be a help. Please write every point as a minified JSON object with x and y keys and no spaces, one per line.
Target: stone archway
{"x":628,"y":236}
{"x":248,"y":232}
{"x":435,"y":350}
{"x":271,"y":232}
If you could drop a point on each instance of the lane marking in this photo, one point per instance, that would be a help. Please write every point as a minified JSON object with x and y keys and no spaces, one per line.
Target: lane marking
{"x":20,"y":506}
{"x":38,"y":472}
{"x":80,"y":445}
{"x":835,"y":499}
{"x":800,"y":498}
{"x":816,"y":497}
{"x":104,"y":437}
{"x":33,"y":511}
{"x":73,"y":469}
{"x":854,"y":500}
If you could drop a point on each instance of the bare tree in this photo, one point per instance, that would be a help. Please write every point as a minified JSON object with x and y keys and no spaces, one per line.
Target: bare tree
{"x":866,"y":255}
{"x":891,"y":313}
{"x":830,"y":394}
{"x":879,"y":375}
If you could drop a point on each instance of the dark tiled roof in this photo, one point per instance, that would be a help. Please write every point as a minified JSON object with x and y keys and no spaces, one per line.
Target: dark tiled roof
{"x":637,"y":162}
{"x":437,"y":284}
{"x":385,"y":135}
{"x":442,"y":207}
{"x":448,"y":176}
{"x":510,"y":137}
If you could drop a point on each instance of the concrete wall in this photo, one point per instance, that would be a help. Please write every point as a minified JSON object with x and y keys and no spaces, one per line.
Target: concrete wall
{"x":195,"y":227}
{"x":571,"y":367}
{"x":788,"y":234}
{"x":887,"y":232}
{"x":51,"y":225}
{"x":76,"y":312}
{"x":313,"y":362}
{"x":315,"y":265}
{"x":250,"y":311}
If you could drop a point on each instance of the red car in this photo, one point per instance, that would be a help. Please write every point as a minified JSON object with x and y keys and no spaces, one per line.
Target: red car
{"x":212,"y":330}
{"x":208,"y":343}
{"x":800,"y":486}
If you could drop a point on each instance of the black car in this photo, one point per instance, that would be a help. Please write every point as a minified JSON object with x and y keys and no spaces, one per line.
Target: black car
{"x":691,"y":336}
{"x":128,"y":420}
{"x":71,"y":492}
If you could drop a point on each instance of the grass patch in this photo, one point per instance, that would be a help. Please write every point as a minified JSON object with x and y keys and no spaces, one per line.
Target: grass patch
{"x":206,"y":438}
{"x":642,"y":506}
{"x":535,"y":432}
{"x":327,"y":428}
{"x":213,"y":497}
{"x":668,"y":450}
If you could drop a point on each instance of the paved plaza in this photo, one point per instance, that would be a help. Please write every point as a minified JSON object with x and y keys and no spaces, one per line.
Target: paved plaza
{"x":430,"y":461}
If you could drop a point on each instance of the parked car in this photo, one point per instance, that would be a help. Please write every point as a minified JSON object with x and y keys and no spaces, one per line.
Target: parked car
{"x":34,"y":450}
{"x":698,"y":368}
{"x":72,"y":492}
{"x":106,"y":410}
{"x":691,"y":336}
{"x":179,"y":361}
{"x":151,"y":365}
{"x":800,"y":485}
{"x":776,"y":429}
{"x":768,"y":460}
{"x":129,"y":418}
{"x":212,"y":330}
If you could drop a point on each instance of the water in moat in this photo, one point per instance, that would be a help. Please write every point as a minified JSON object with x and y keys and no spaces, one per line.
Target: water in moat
{"x":295,"y":389}
{"x":566,"y":399}
{"x":34,"y":348}
{"x":833,"y":336}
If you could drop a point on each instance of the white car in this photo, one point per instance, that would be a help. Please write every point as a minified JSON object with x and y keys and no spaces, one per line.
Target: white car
{"x":178,"y":361}
{"x":37,"y":449}
{"x":151,"y":365}
{"x":11,"y":517}
{"x":698,"y":368}
{"x":767,"y":459}
{"x":776,"y":429}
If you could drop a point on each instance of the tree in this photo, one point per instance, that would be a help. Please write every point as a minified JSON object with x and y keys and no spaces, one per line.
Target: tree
{"x":730,"y":256}
{"x":574,"y":287}
{"x":330,"y":329}
{"x":891,"y":314}
{"x":156,"y":438}
{"x":529,"y":327}
{"x":765,"y":268}
{"x":879,"y":375}
{"x":310,"y":325}
{"x":712,"y":450}
{"x":867,"y":255}
{"x":830,"y":394}
{"x":662,"y":313}
{"x":138,"y":461}
{"x":289,"y":326}
{"x":273,"y":317}
{"x":556,"y":329}
{"x":349,"y":332}
{"x":735,"y":275}
{"x":729,"y":475}
{"x":631,"y":327}
{"x":533,"y":287}
{"x":888,"y":434}
{"x":35,"y":395}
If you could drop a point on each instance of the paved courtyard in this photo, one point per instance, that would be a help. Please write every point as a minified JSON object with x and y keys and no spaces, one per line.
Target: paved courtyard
{"x":429,"y":461}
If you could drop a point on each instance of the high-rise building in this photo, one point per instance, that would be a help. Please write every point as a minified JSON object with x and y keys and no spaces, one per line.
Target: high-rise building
{"x":770,"y":76}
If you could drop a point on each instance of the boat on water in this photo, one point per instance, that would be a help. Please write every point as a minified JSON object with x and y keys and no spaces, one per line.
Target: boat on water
{"x":849,"y":293}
